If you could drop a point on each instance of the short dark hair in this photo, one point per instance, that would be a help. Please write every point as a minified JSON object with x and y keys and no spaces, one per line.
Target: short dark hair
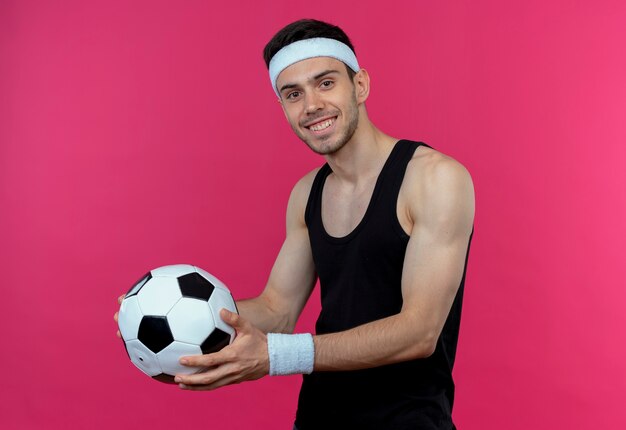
{"x":305,"y":29}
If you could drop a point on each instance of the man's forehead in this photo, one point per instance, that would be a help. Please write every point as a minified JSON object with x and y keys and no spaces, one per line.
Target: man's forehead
{"x":308,"y":69}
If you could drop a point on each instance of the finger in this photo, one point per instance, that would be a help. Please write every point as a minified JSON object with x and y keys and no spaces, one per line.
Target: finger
{"x":201,"y":378}
{"x":211,"y":386}
{"x":120,"y":298}
{"x":115,"y":317}
{"x":233,"y":319}
{"x":207,"y":360}
{"x":209,"y":379}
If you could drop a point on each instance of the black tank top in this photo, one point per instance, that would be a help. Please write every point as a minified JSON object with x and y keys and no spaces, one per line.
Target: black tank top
{"x":360,"y":277}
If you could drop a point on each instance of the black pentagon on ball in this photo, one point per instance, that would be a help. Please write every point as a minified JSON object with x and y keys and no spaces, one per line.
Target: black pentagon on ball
{"x":139,"y":284}
{"x":164,"y":377}
{"x":216,"y":341}
{"x":195,"y":286}
{"x":155,"y":333}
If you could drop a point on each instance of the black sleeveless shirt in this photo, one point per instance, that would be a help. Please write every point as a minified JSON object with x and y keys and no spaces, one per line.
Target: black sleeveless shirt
{"x":360,"y":276}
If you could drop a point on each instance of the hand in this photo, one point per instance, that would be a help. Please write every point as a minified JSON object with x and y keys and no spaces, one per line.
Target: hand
{"x":246,"y":359}
{"x":119,"y":301}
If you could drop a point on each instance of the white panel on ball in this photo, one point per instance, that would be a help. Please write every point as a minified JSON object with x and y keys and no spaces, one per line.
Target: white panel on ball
{"x":158,"y":296}
{"x":190,"y":320}
{"x":129,"y":318}
{"x":222,"y":299}
{"x":174,"y":270}
{"x":168,"y":358}
{"x":143,"y":358}
{"x":216,"y":282}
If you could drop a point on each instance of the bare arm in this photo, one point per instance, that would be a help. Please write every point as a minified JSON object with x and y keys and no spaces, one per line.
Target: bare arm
{"x":293,"y":276}
{"x":441,"y":204}
{"x":276,"y":309}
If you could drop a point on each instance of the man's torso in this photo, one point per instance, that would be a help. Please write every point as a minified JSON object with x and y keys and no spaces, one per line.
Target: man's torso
{"x":358,"y":241}
{"x":343,"y":207}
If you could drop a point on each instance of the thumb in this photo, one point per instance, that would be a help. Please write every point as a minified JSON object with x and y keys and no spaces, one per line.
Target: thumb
{"x":233,"y":319}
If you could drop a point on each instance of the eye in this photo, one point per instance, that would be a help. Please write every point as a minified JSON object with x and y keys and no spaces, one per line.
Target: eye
{"x":327,"y":83}
{"x":293,"y":95}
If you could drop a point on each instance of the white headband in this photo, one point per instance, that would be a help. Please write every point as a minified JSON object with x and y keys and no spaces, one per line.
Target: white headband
{"x":310,"y":48}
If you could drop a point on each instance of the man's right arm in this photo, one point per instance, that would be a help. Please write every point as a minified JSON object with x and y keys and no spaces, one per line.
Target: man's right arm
{"x":293,"y":276}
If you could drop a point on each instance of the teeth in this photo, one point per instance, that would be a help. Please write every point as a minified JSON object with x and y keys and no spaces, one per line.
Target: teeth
{"x":322,"y":125}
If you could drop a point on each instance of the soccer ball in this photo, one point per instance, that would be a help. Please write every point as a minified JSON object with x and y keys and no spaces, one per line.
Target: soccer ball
{"x":171,"y":312}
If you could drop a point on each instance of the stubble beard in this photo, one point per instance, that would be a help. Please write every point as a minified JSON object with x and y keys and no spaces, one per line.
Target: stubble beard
{"x":327,"y":147}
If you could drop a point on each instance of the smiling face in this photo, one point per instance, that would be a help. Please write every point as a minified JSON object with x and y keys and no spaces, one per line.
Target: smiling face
{"x":320,"y":102}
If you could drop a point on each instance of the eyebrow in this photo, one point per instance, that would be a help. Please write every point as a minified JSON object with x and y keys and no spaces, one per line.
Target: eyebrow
{"x":314,"y":78}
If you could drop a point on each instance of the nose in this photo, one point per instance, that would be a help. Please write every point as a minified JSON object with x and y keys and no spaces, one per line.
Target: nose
{"x":313,"y":102}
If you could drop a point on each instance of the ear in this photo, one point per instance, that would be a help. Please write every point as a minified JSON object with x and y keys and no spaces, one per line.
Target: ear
{"x":362,"y":85}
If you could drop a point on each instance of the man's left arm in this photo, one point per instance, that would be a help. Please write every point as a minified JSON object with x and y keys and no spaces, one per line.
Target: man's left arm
{"x":441,"y":206}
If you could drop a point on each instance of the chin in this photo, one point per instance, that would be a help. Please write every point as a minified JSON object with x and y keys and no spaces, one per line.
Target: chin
{"x":326,"y":148}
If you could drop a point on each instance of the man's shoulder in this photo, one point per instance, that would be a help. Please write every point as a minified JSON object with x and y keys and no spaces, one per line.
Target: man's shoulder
{"x":436,"y":183}
{"x":429,"y":165}
{"x":301,"y":190}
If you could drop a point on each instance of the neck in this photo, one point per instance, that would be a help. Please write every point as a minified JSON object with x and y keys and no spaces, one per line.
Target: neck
{"x":363,"y":156}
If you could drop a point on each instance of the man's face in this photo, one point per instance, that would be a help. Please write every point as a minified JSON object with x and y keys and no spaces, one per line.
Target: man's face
{"x":320,"y":103}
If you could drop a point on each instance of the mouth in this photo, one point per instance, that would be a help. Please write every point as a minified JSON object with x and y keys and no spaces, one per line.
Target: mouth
{"x":322,"y":125}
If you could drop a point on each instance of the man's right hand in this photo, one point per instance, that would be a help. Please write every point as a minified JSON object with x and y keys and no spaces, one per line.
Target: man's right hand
{"x":119,"y":301}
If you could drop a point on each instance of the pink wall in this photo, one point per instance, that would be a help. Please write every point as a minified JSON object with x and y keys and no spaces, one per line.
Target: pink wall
{"x":138,"y":134}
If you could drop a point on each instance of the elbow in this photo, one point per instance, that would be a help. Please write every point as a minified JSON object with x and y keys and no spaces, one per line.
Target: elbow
{"x":426,"y":346}
{"x":428,"y":349}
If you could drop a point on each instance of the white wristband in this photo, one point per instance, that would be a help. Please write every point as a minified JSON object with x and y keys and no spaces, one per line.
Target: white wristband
{"x":290,"y":354}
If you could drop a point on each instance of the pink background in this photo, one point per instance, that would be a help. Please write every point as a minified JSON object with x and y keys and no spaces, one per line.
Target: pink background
{"x":144,"y":133}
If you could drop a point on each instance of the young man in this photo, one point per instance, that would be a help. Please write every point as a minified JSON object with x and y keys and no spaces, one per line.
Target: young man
{"x":386,"y":225}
